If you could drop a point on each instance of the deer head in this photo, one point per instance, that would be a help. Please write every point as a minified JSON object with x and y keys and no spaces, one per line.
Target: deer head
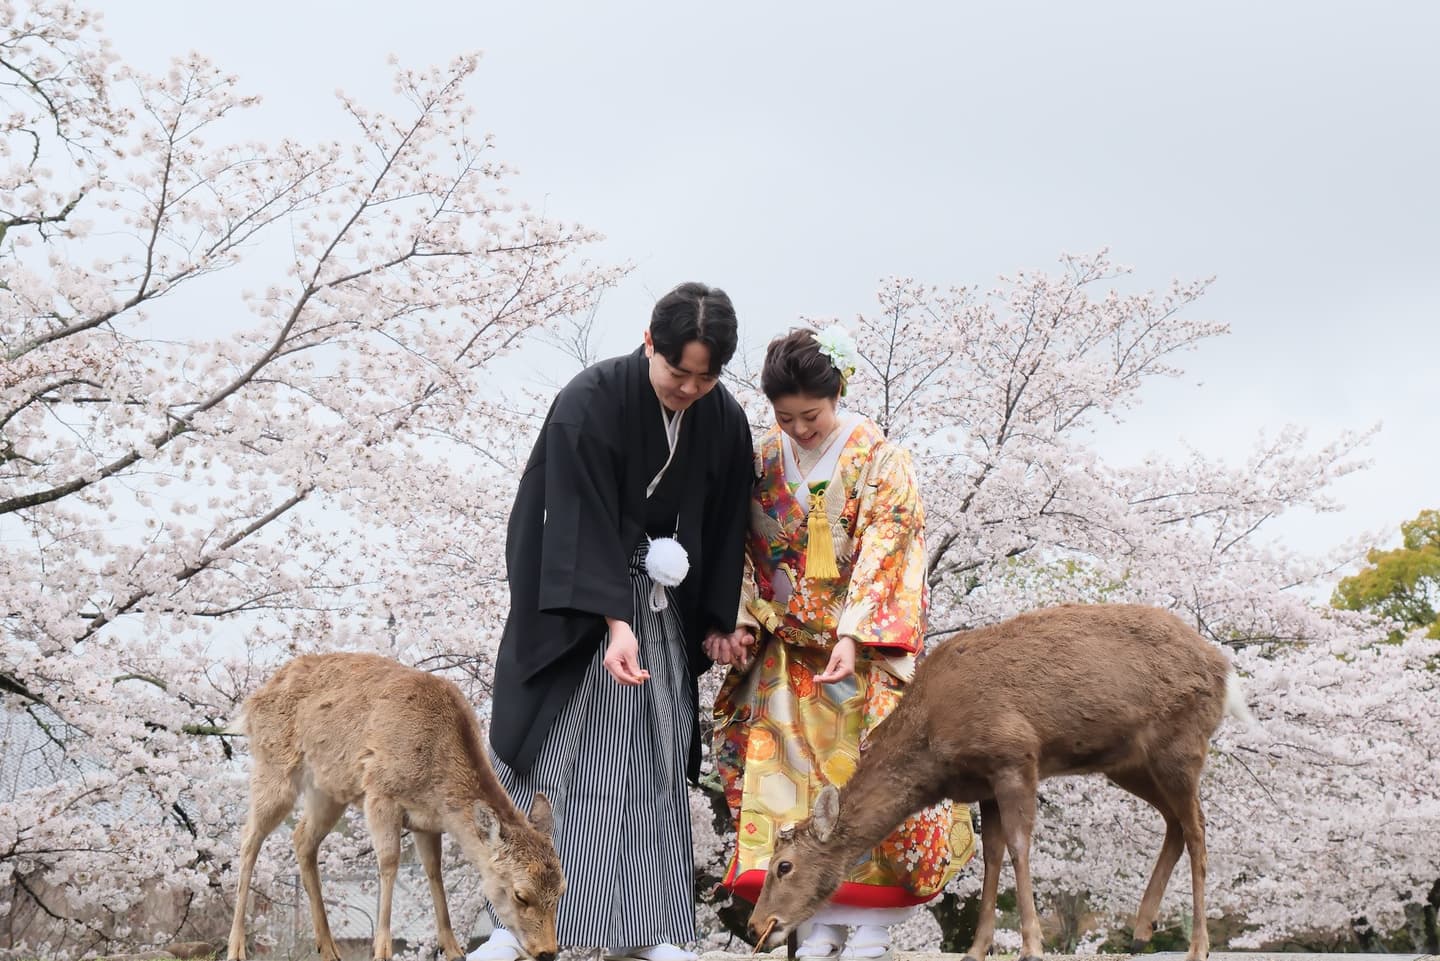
{"x":524,"y":881}
{"x":804,"y":872}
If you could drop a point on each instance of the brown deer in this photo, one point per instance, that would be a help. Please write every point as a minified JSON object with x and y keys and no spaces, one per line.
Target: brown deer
{"x":1126,"y":691}
{"x":347,"y":727}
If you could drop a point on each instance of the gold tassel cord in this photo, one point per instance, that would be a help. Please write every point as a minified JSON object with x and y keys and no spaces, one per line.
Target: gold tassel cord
{"x":819,"y":544}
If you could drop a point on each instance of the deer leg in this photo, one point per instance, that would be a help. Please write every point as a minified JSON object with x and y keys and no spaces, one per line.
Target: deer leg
{"x":1177,"y":776}
{"x":272,"y":796}
{"x":427,"y":844}
{"x":1015,"y":797}
{"x":1192,"y":819}
{"x":318,"y":819}
{"x":1170,"y":850}
{"x":1140,"y":784}
{"x":992,"y":840}
{"x":384,"y":816}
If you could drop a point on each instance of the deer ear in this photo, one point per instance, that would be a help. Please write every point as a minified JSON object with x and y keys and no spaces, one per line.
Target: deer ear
{"x":542,"y":818}
{"x":487,"y":822}
{"x":825,"y":813}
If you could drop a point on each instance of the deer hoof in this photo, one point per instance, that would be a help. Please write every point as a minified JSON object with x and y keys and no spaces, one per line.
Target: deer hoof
{"x":1138,"y":947}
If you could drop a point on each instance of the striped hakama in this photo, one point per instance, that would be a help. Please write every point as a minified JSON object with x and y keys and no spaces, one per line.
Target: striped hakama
{"x":613,"y":768}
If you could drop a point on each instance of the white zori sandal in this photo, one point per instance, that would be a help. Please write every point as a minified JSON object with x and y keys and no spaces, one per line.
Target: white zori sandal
{"x":654,"y":952}
{"x":868,"y":942}
{"x":501,"y":946}
{"x":823,"y":941}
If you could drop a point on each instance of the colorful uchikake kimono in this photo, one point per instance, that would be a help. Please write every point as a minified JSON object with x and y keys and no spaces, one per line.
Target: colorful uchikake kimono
{"x":779,"y":736}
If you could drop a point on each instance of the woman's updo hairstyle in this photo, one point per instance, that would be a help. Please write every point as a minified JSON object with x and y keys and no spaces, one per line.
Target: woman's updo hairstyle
{"x":794,"y":364}
{"x":694,"y":312}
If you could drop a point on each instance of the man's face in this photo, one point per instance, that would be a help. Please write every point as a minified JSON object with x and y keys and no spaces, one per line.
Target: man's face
{"x":680,"y":385}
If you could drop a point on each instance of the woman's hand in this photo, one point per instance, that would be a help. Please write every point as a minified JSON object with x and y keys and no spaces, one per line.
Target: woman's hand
{"x":842,"y":662}
{"x":622,"y":655}
{"x":742,"y":647}
{"x":733,"y":648}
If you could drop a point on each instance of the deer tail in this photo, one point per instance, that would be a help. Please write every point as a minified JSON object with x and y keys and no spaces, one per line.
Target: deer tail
{"x":1235,"y":704}
{"x":237,"y":726}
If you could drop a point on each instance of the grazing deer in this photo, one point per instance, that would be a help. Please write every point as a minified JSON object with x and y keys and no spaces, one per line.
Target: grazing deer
{"x":347,"y":727}
{"x":1126,"y":691}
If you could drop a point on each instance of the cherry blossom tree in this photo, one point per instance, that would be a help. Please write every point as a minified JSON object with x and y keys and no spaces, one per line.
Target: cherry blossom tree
{"x":246,"y":409}
{"x":250,"y":405}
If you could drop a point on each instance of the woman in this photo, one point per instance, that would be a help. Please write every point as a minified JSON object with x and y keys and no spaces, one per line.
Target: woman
{"x":641,"y":469}
{"x":838,"y":597}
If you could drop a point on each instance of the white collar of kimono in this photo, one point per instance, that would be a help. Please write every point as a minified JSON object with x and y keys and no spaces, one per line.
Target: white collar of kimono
{"x":672,"y":435}
{"x":824,"y":468}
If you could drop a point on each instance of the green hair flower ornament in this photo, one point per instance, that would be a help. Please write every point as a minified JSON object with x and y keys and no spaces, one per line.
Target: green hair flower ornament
{"x":837,"y":344}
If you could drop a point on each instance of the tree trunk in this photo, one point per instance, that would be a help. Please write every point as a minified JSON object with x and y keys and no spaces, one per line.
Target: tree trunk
{"x":1432,"y":928}
{"x":958,"y":920}
{"x":733,"y":912}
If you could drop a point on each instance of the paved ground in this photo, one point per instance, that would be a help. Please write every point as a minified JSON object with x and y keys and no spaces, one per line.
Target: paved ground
{"x":1158,"y":956}
{"x":938,"y":956}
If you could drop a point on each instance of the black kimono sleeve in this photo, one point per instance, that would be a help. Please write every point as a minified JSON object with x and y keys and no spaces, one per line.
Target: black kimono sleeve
{"x":584,"y":568}
{"x":727,"y":517}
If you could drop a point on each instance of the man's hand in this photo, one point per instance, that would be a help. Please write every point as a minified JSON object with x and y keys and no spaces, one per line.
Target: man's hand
{"x":622,"y":655}
{"x":734,"y":648}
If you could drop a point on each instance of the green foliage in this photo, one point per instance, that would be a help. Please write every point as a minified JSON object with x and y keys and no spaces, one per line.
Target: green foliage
{"x":1401,"y":584}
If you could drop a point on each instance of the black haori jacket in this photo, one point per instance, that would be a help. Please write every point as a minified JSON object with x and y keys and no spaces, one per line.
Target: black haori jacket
{"x":579,"y":515}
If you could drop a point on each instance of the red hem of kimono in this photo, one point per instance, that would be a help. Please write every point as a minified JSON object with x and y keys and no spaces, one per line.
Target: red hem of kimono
{"x":850,"y":894}
{"x":890,"y":649}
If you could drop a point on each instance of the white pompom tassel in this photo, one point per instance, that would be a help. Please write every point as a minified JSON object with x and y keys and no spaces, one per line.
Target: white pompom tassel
{"x":667,"y":564}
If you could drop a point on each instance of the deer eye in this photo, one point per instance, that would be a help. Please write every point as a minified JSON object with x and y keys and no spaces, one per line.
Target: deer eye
{"x":520,"y":900}
{"x":783,"y":868}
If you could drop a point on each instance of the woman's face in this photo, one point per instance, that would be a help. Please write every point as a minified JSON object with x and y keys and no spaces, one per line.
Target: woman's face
{"x":808,"y":420}
{"x":679,"y":386}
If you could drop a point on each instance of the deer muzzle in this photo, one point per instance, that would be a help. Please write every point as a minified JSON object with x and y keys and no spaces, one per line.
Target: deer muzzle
{"x":774,"y":933}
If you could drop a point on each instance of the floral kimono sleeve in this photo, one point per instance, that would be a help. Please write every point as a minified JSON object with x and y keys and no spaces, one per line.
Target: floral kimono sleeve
{"x":885,"y":601}
{"x":749,"y":593}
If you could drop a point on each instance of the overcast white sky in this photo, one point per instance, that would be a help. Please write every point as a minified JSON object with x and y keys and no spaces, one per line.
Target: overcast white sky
{"x":795,"y":153}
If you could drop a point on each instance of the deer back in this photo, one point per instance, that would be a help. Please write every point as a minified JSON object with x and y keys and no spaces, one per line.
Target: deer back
{"x":362,"y":722}
{"x":1085,"y":687}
